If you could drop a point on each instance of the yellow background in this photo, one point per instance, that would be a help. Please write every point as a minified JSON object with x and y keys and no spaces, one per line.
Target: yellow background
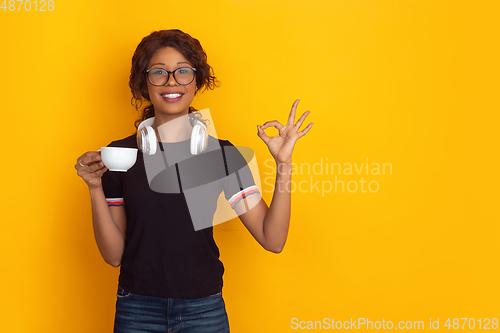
{"x":411,"y":83}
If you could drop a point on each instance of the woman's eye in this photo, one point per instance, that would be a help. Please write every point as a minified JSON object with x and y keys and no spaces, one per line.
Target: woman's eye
{"x":183,"y":71}
{"x":158,"y":72}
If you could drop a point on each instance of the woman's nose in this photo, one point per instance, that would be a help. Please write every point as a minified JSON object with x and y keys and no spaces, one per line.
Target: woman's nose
{"x":171,"y":80}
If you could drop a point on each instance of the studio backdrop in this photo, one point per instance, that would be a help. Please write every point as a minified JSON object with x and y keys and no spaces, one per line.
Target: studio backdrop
{"x":394,"y":220}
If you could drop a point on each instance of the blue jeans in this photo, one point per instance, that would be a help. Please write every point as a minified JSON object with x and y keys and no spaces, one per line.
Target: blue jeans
{"x":143,"y":313}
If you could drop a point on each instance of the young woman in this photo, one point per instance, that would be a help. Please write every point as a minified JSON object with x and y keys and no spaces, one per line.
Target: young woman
{"x":171,"y":275}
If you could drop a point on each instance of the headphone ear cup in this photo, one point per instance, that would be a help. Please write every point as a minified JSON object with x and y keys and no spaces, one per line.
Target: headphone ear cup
{"x":199,"y":138}
{"x":148,"y":140}
{"x":195,"y":139}
{"x":204,"y":137}
{"x":146,"y":137}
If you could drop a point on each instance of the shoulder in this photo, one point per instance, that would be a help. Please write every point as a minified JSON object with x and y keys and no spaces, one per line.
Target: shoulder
{"x":241,"y":154}
{"x":219,"y":141}
{"x":217,"y":144}
{"x":128,"y":142}
{"x":225,"y":145}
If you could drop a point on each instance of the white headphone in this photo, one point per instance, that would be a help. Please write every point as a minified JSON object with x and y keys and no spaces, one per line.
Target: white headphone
{"x":146,"y":137}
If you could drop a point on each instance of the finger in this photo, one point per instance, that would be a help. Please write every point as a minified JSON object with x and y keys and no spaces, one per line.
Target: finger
{"x":88,"y":168}
{"x":274,"y":123}
{"x":88,"y":158}
{"x":301,"y":119}
{"x":291,"y":116}
{"x":262,"y":134}
{"x":305,"y":130}
{"x":95,"y":167}
{"x":91,"y":168}
{"x":89,"y":153}
{"x":101,"y":171}
{"x":79,"y":165}
{"x":96,"y":172}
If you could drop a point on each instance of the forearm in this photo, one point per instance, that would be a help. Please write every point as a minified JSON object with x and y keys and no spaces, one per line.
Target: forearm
{"x":277,"y":219}
{"x":108,"y":236}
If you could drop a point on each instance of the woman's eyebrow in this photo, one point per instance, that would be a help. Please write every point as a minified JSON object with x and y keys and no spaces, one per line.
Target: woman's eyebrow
{"x":160,"y":63}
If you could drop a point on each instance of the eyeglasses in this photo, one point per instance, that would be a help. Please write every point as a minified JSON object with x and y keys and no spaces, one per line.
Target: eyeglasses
{"x":160,"y":76}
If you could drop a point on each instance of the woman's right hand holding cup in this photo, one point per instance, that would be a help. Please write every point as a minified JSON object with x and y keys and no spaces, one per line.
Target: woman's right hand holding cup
{"x":90,"y":168}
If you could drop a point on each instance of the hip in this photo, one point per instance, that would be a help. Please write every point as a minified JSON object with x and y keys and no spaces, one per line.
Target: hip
{"x":178,"y":314}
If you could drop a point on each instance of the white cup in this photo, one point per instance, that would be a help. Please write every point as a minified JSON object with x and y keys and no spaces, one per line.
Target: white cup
{"x":118,"y":158}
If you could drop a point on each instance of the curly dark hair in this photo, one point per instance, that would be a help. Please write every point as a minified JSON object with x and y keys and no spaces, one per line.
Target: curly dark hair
{"x":189,"y":47}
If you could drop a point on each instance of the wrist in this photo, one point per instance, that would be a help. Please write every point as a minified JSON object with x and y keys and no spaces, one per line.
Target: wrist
{"x":283,"y":162}
{"x":284,"y":167}
{"x":95,"y":189}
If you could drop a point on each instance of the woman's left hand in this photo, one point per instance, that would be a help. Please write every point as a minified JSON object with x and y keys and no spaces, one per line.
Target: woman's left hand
{"x":281,"y":146}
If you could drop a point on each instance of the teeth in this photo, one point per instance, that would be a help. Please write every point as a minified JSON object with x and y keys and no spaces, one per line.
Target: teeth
{"x":171,"y":95}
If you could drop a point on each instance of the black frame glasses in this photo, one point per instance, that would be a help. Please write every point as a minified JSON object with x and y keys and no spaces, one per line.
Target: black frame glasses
{"x":168,"y":75}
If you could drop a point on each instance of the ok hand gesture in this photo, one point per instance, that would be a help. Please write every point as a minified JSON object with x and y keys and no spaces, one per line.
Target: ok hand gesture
{"x":281,"y":145}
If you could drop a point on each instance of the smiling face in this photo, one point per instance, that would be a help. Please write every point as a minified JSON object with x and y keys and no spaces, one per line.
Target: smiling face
{"x":166,"y":100}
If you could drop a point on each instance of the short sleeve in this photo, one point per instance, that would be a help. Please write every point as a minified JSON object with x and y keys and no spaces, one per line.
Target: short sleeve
{"x":239,"y":182}
{"x":112,"y":186}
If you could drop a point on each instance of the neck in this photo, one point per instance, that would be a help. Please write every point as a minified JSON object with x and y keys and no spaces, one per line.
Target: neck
{"x":172,"y":128}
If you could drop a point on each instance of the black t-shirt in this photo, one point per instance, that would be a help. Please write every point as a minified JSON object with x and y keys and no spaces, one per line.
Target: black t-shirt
{"x":169,"y":247}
